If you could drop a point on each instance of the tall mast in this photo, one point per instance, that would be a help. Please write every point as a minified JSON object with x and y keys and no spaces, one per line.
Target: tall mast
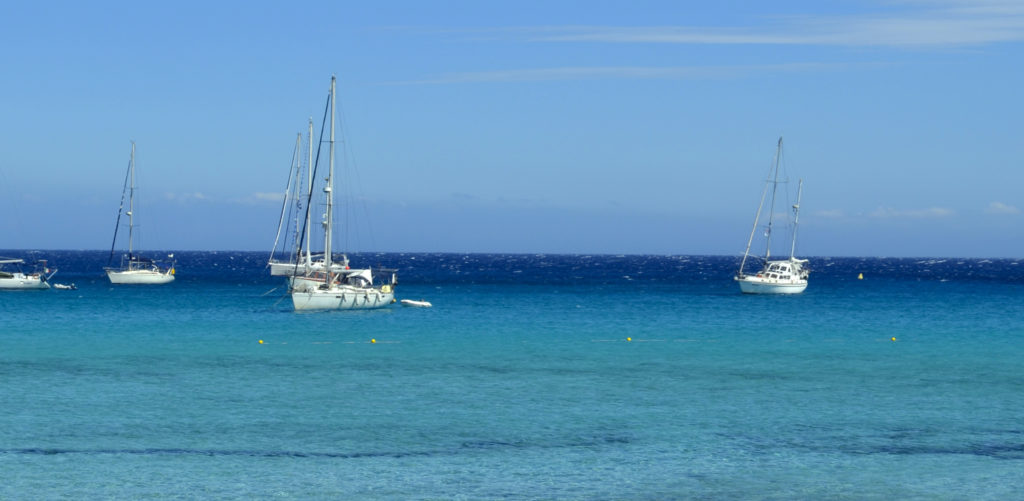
{"x":131,"y":205}
{"x":329,"y":190}
{"x":771,"y":213}
{"x":309,"y":190}
{"x":753,"y":230}
{"x":291,"y":195}
{"x":296,"y":194}
{"x":796,"y":217}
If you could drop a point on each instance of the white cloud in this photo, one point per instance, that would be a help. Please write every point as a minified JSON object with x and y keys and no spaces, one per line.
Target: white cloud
{"x":897,"y":24}
{"x":259,"y":197}
{"x":1001,"y":208}
{"x":907,"y":24}
{"x":621,"y":72}
{"x":184,"y":197}
{"x":832,"y":213}
{"x":889,"y":212}
{"x":269,"y":197}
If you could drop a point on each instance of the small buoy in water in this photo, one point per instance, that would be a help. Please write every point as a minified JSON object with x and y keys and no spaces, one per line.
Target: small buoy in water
{"x":860,"y":276}
{"x":374,"y":341}
{"x":261,"y":341}
{"x":629,"y":339}
{"x":894,"y":339}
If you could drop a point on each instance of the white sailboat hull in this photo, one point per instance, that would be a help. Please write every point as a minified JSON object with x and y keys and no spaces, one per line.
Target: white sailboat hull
{"x":139,"y":277}
{"x":760,"y":285}
{"x":342,"y":298}
{"x":21,"y":281}
{"x":284,"y":269}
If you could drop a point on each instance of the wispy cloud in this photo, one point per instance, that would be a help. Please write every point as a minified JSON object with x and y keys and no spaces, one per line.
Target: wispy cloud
{"x":832,"y":213}
{"x":184,"y":197}
{"x":260,"y":197}
{"x":889,"y":212}
{"x":1001,"y":208}
{"x":908,"y":23}
{"x":905,"y":24}
{"x":621,"y":72}
{"x":268,"y":197}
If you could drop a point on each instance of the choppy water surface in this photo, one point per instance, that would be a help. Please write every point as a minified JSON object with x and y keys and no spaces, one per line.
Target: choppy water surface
{"x":519,"y":383}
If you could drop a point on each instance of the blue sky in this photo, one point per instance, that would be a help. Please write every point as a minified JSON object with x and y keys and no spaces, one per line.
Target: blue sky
{"x":578,"y":127}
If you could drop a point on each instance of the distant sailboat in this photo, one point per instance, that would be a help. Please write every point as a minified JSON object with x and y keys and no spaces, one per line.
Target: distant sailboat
{"x":330,"y":288}
{"x":135,"y":269}
{"x":787,"y":276}
{"x":13,"y":277}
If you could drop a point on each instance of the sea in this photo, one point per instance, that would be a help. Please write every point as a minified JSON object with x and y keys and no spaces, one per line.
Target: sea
{"x":598,"y":377}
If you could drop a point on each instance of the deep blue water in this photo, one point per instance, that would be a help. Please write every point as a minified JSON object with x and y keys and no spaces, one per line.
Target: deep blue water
{"x":519,"y":383}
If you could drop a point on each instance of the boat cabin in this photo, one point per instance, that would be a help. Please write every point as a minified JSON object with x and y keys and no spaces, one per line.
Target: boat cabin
{"x":778,"y":271}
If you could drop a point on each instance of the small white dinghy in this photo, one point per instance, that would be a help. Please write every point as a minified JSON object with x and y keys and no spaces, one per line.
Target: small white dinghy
{"x":417,"y":304}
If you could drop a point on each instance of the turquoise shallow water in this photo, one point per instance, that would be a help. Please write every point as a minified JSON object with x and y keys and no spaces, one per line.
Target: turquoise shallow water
{"x":520,"y":383}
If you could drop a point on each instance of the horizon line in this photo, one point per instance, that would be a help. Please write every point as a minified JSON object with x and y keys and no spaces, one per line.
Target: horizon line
{"x":525,"y":253}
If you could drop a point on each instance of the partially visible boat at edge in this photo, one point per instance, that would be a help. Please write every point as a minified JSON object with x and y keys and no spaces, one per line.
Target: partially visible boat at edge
{"x":786,"y":276}
{"x":19,"y":279}
{"x":331,"y":288}
{"x":135,"y":269}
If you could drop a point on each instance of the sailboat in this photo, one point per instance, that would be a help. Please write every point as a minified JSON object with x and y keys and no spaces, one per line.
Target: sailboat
{"x":134,"y":269}
{"x":330,"y":288}
{"x":300,"y":261}
{"x":786,"y":276}
{"x":18,"y":279}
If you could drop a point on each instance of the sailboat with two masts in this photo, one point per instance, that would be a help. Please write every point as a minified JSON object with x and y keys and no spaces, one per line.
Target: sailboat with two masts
{"x":134,"y":269}
{"x":292,"y":230}
{"x":787,"y":276}
{"x":330,"y":288}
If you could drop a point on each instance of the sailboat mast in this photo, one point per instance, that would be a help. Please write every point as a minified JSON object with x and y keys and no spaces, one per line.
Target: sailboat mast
{"x":329,"y":190}
{"x":131,"y":205}
{"x":796,"y":218}
{"x":309,"y":190}
{"x":771,"y":212}
{"x":291,"y":195}
{"x":295,"y":194}
{"x":753,"y":230}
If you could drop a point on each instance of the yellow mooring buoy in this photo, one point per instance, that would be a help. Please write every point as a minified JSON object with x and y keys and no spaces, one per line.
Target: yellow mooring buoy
{"x":373,"y":341}
{"x":860,"y":276}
